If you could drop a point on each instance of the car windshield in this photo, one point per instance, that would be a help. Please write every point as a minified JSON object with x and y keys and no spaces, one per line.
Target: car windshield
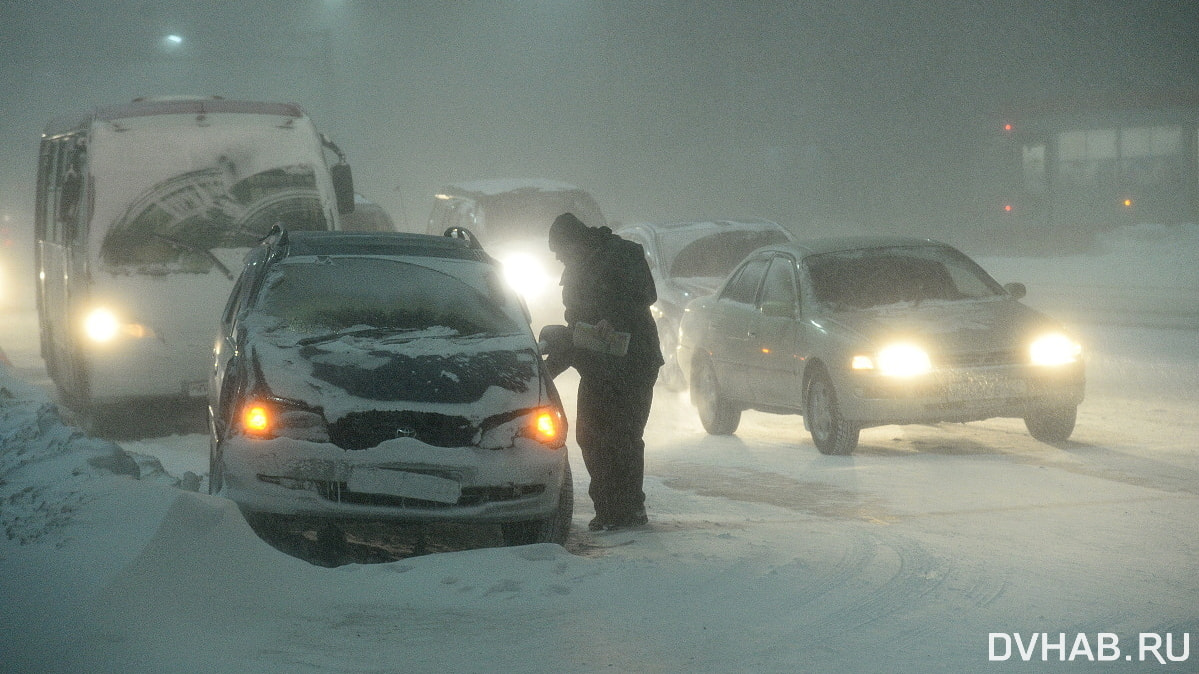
{"x":330,"y":296}
{"x":860,"y":279}
{"x":717,"y":254}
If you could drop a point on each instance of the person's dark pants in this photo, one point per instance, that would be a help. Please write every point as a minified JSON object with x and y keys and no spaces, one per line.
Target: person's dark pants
{"x":609,"y":427}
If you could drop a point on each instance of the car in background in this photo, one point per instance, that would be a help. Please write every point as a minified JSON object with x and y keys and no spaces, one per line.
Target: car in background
{"x":367,"y":216}
{"x":689,"y":260}
{"x":869,"y":331}
{"x":512,"y":219}
{"x":384,"y":377}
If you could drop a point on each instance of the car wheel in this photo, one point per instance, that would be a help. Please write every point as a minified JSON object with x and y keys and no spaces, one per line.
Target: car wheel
{"x":718,"y":416}
{"x":831,"y":433}
{"x":1053,"y":425}
{"x":554,"y":529}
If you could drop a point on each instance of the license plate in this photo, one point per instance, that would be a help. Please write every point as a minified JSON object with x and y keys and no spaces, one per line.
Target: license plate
{"x":986,"y":388}
{"x":404,"y":484}
{"x":195,"y":389}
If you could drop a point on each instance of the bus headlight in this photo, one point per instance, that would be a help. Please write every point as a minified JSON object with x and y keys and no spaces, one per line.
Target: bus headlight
{"x":101,"y":325}
{"x":1054,"y":349}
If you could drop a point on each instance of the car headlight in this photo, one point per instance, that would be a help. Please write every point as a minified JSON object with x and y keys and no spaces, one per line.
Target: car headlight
{"x":895,"y":360}
{"x":546,"y":425}
{"x":1054,"y":349}
{"x":267,"y":418}
{"x":526,"y":274}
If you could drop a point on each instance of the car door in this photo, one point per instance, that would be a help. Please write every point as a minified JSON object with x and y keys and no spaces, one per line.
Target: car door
{"x":773,"y":361}
{"x":729,"y":328}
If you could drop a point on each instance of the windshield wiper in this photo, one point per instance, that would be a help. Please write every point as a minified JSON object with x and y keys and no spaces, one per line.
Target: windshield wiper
{"x":192,"y":248}
{"x":357,"y":330}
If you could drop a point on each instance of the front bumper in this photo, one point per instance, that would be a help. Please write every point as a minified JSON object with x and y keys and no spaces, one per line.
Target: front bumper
{"x":147,"y":368}
{"x":401,"y":479}
{"x":959,"y":395}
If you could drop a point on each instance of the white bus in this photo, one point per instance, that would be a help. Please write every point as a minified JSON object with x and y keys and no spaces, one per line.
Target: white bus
{"x":144,"y":214}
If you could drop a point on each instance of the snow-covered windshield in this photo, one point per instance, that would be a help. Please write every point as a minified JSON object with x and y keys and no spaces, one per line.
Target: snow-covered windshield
{"x":329,"y":296}
{"x":860,"y":279}
{"x":714,"y":255}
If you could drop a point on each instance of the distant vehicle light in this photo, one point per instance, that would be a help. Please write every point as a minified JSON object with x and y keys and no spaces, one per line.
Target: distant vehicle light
{"x":1054,"y":349}
{"x":101,"y":325}
{"x":525,"y":274}
{"x":1008,"y":208}
{"x":1127,"y":203}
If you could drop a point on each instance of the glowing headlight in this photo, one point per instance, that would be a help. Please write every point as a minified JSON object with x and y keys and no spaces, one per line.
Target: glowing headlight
{"x":101,"y":325}
{"x":895,"y":360}
{"x":278,"y":419}
{"x":1054,"y":349}
{"x":526,"y":275}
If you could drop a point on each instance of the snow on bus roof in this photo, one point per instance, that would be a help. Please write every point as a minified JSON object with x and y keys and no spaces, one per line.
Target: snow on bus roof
{"x":170,"y":105}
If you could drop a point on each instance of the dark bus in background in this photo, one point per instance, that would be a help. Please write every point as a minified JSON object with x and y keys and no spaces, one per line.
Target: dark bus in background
{"x":144,"y":214}
{"x":1074,"y":168}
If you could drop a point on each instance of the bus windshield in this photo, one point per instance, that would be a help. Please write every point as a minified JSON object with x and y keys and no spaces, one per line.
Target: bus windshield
{"x":170,"y":191}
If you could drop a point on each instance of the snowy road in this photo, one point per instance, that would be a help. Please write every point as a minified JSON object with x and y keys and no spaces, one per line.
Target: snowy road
{"x":943,"y":548}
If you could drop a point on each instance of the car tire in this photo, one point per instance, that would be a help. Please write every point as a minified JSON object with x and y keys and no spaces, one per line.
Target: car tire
{"x":831,"y":433}
{"x":718,"y":415}
{"x":1052,"y":425}
{"x":554,"y":529}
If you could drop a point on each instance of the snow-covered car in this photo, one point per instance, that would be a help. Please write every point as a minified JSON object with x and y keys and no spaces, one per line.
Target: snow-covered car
{"x":869,"y":331}
{"x":385,"y":377}
{"x":512,"y":218}
{"x":689,"y":260}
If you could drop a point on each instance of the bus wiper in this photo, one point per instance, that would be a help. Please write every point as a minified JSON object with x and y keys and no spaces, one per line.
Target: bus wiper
{"x":192,"y":248}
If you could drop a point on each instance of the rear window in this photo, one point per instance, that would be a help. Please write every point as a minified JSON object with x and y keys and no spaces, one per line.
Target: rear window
{"x":714,"y":256}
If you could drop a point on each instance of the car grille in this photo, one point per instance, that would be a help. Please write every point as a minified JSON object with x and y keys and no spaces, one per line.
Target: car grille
{"x":363,"y":430}
{"x":471,"y":496}
{"x":982,"y":358}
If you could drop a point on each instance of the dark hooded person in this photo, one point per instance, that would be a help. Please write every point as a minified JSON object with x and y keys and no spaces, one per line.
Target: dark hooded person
{"x":607,"y":291}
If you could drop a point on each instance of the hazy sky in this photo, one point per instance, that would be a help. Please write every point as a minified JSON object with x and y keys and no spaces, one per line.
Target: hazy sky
{"x":803,"y":112}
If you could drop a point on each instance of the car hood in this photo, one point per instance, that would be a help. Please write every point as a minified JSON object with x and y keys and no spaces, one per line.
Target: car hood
{"x":954,"y":327}
{"x":473,"y":377}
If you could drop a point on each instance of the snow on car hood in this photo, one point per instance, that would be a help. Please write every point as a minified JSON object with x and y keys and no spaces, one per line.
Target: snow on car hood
{"x":471,"y":377}
{"x":960,"y":326}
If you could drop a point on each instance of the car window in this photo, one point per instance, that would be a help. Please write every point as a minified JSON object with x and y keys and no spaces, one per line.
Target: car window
{"x":779,"y":285}
{"x":327,"y":294}
{"x":860,"y":279}
{"x":743,"y":287}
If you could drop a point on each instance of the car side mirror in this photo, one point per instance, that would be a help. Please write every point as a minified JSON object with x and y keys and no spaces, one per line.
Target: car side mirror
{"x":778,"y":309}
{"x":343,"y":186}
{"x":1016,"y":290}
